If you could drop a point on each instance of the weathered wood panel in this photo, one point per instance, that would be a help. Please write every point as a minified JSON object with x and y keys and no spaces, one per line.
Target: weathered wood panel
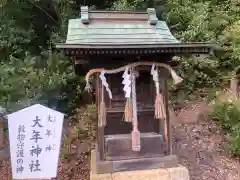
{"x":144,"y":90}
{"x":145,"y":103}
{"x":117,"y":125}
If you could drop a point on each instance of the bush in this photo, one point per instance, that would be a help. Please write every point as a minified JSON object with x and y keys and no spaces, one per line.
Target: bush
{"x":36,"y":79}
{"x":234,"y":140}
{"x":226,"y":111}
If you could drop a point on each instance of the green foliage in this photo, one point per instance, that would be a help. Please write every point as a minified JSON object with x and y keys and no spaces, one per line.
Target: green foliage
{"x":205,"y":22}
{"x":24,"y":38}
{"x":234,"y":140}
{"x":226,"y":111}
{"x":84,"y":122}
{"x":199,"y":21}
{"x":34,"y":79}
{"x":126,"y":5}
{"x":30,"y":72}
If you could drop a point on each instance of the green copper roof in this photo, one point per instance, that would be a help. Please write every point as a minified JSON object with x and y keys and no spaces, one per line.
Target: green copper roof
{"x":118,"y":33}
{"x":108,"y":28}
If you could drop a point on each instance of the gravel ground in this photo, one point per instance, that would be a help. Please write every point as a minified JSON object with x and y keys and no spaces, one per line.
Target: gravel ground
{"x":77,"y":169}
{"x":197,"y":143}
{"x":199,"y":146}
{"x":72,"y":168}
{"x":65,"y":172}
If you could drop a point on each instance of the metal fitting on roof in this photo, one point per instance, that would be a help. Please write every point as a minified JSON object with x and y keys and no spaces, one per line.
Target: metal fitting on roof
{"x":84,"y":15}
{"x":152,"y":16}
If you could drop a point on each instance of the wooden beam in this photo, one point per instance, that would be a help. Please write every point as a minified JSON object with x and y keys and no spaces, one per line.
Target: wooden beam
{"x":81,"y":61}
{"x":168,"y":123}
{"x":76,"y":50}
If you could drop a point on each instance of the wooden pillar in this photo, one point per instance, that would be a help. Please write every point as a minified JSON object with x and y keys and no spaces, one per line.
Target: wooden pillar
{"x":165,"y":125}
{"x":100,"y":130}
{"x":168,"y":123}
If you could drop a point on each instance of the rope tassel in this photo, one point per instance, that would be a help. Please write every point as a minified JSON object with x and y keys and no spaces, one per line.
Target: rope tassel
{"x":160,"y":111}
{"x":128,"y":110}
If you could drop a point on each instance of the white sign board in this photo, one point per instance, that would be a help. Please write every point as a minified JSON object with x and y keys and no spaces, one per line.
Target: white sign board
{"x":35,"y":140}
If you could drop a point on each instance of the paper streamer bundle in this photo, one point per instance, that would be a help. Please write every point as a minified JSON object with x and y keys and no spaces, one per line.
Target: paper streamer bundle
{"x":102,"y":108}
{"x":136,"y":146}
{"x":160,"y":111}
{"x":105,"y":84}
{"x":127,"y":89}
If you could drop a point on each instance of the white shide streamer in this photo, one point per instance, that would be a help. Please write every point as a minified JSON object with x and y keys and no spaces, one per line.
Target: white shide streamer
{"x":105,"y":84}
{"x":127,"y":83}
{"x":154,"y":73}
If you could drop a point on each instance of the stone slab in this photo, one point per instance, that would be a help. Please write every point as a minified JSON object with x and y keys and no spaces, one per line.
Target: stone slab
{"x":177,"y":173}
{"x":100,"y":176}
{"x":104,"y":167}
{"x":119,"y":146}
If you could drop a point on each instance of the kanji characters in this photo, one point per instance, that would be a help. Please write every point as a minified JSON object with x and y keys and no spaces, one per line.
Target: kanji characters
{"x":37,"y":122}
{"x":35,"y":150}
{"x":36,"y":136}
{"x":34,"y":166}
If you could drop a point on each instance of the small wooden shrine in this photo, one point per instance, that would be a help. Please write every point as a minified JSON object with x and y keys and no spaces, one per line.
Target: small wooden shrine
{"x":129,"y":54}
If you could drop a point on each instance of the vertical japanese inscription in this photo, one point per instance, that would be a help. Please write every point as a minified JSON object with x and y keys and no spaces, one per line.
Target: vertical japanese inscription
{"x":35,"y":141}
{"x":36,"y":150}
{"x":50,"y":133}
{"x":20,"y":146}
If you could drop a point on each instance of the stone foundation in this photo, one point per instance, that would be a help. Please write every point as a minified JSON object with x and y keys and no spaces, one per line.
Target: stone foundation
{"x":177,"y":173}
{"x":107,"y":167}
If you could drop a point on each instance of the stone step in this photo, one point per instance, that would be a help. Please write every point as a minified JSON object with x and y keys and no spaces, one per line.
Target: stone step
{"x":119,"y":147}
{"x":102,"y":167}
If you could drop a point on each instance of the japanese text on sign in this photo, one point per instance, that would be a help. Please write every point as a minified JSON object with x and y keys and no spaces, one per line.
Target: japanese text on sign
{"x":35,"y":142}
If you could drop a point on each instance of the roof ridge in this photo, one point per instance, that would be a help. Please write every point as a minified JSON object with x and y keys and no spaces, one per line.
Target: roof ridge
{"x":118,"y":11}
{"x":148,"y":15}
